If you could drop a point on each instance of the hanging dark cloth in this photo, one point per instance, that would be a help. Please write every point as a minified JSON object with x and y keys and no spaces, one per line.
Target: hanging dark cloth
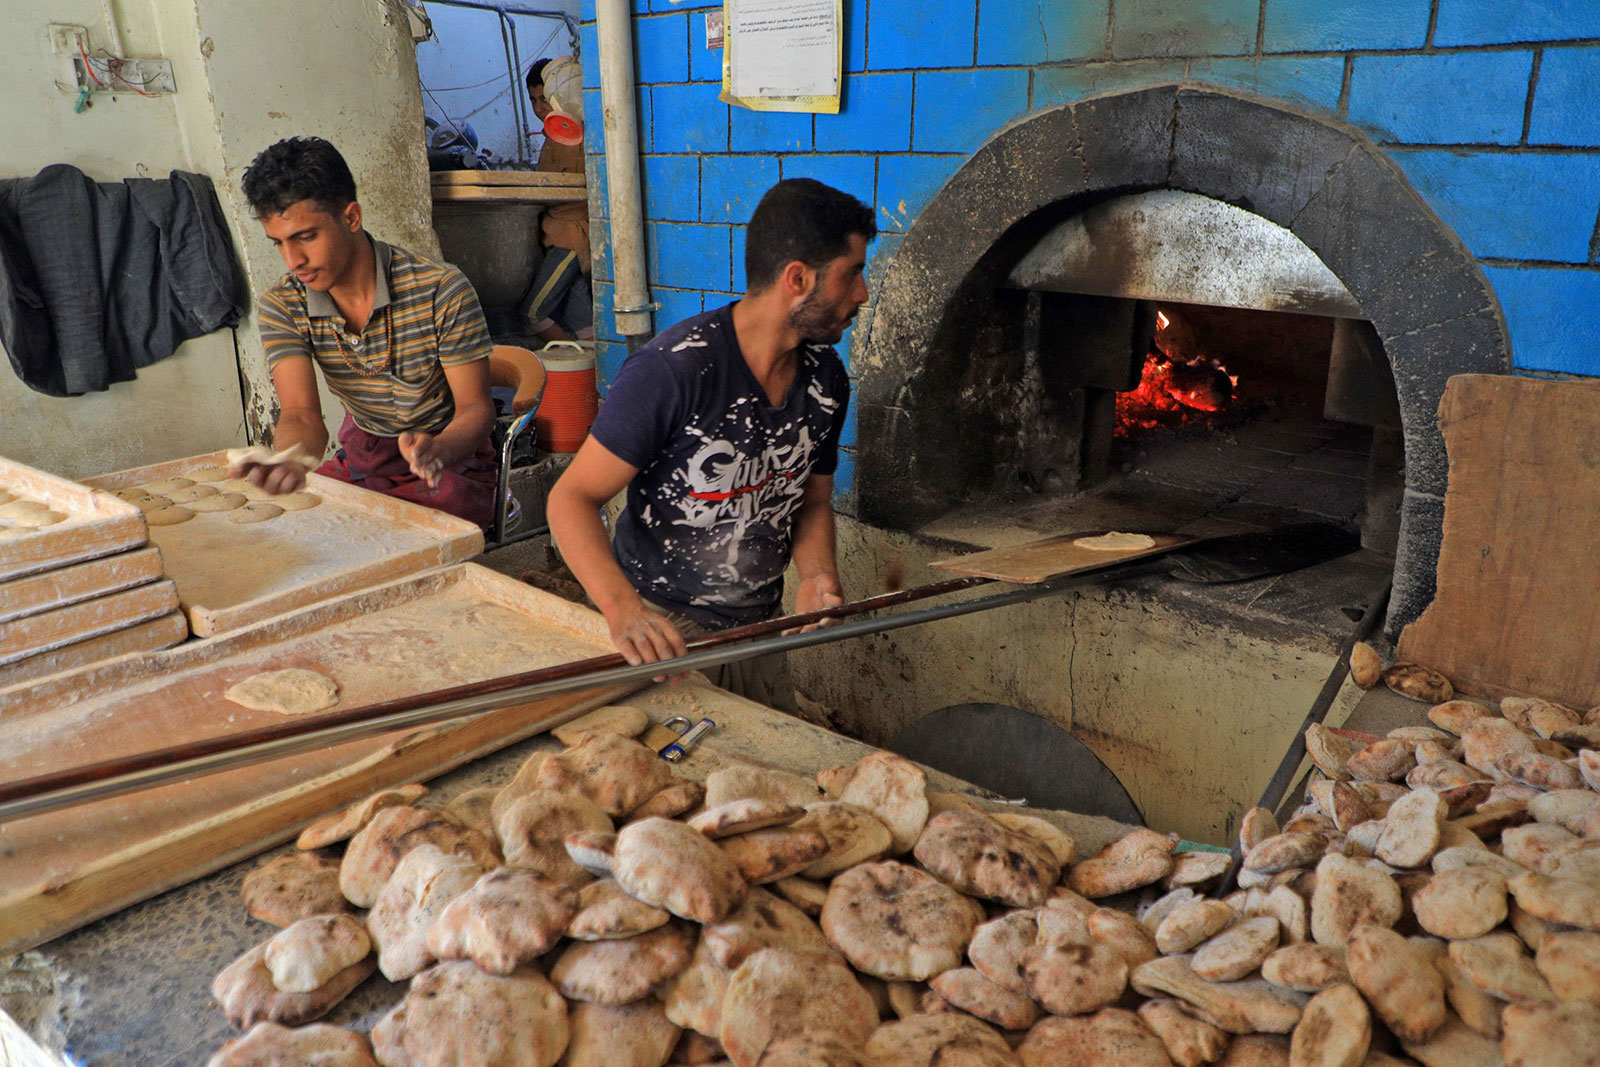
{"x":98,"y":279}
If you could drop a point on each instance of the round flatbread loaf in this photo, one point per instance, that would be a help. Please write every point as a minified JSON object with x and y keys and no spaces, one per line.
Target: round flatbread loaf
{"x":336,"y":827}
{"x":292,"y":691}
{"x":424,"y":883}
{"x":764,"y":856}
{"x":1109,"y":1036}
{"x":271,"y":1044}
{"x":458,"y":1015}
{"x":371,"y":856}
{"x":854,"y":836}
{"x":980,"y":857}
{"x":306,"y":954}
{"x":607,"y":913}
{"x":245,"y":992}
{"x":742,"y":816}
{"x":894,"y":789}
{"x":743,"y":781}
{"x":289,"y":888}
{"x":694,"y":998}
{"x":509,"y":917}
{"x":620,"y":1035}
{"x":932,"y":1040}
{"x":667,"y":864}
{"x":617,"y":773}
{"x":777,"y":995}
{"x":763,"y":921}
{"x":897,"y":922}
{"x":623,"y":971}
{"x":997,"y":948}
{"x":970,"y":990}
{"x":619,"y":719}
{"x":533,"y":831}
{"x":671,"y":802}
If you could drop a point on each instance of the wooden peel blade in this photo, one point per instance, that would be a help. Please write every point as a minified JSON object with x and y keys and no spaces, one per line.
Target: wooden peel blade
{"x":127,"y":774}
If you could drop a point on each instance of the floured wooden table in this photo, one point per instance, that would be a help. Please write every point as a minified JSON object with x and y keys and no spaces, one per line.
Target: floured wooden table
{"x":135,"y":987}
{"x":232,"y":574}
{"x":61,"y":869}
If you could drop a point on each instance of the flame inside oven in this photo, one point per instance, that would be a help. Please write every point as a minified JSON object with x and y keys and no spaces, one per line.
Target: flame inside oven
{"x":1176,"y":387}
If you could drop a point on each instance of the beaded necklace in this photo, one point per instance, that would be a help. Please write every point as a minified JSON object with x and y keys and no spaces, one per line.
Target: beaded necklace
{"x":347,"y":355}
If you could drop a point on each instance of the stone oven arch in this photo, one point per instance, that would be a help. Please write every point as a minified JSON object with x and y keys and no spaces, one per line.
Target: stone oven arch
{"x":1325,"y":182}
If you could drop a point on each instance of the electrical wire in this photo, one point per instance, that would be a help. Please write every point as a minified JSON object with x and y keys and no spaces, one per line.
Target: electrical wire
{"x":113,"y":71}
{"x":455,"y":122}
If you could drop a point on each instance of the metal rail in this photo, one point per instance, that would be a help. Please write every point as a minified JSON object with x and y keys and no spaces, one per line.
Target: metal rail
{"x":78,"y":785}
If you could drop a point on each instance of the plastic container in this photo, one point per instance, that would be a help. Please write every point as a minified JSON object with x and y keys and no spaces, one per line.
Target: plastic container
{"x":571,"y":400}
{"x":563,"y":87}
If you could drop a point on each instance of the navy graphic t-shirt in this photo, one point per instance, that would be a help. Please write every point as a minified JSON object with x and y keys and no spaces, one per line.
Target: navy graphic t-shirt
{"x":708,"y":529}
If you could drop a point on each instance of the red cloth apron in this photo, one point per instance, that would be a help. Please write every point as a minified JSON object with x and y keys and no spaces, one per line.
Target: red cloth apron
{"x":465,"y":489}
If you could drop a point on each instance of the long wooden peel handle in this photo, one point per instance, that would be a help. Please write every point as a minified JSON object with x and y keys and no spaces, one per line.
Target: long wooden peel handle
{"x":314,"y":724}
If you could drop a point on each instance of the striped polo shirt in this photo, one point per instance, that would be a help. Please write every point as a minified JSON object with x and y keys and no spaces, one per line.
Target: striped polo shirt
{"x":390,"y":378}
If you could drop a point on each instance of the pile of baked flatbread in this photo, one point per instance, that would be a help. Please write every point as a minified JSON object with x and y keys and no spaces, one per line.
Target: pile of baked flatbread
{"x":597,"y":910}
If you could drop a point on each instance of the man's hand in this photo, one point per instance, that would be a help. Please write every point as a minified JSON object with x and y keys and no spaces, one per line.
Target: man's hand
{"x":276,"y":479}
{"x":815,"y":593}
{"x":421,"y":451}
{"x":644,"y":636}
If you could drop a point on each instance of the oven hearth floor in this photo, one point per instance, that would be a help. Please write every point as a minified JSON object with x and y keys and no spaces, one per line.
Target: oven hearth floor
{"x":1254,"y":478}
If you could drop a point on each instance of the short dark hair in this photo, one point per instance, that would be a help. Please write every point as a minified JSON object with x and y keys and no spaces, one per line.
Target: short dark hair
{"x":801,"y":219}
{"x":296,"y":169}
{"x":536,"y":73}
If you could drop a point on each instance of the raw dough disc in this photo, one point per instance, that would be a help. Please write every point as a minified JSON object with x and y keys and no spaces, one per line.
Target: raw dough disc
{"x":297,"y":501}
{"x":11,"y":533}
{"x":255,"y":511}
{"x":35,"y":519}
{"x":131,"y":494}
{"x":189,"y":493}
{"x":17,"y":509}
{"x":268,"y":458}
{"x":168,"y":516}
{"x":166,"y":485}
{"x":1117,"y":542}
{"x":218,"y":502}
{"x":293,"y":691}
{"x":236,"y":485}
{"x":148,"y":503}
{"x":208,"y":474}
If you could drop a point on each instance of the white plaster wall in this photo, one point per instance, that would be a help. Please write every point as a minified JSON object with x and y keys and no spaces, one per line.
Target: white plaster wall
{"x":185,"y":404}
{"x":248,"y":74}
{"x":345,"y":70}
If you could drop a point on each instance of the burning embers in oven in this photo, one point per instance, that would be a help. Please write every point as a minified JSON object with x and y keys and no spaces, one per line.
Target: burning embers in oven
{"x":1178,"y":386}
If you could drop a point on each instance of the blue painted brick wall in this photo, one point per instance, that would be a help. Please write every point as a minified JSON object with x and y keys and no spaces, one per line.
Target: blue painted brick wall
{"x":1457,"y":98}
{"x":1488,"y":108}
{"x":1343,"y":25}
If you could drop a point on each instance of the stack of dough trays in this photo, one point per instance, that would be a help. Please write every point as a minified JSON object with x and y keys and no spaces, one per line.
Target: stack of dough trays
{"x":83,"y":587}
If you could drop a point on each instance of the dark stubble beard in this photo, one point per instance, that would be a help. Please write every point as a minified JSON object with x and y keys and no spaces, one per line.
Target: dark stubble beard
{"x":814,"y":323}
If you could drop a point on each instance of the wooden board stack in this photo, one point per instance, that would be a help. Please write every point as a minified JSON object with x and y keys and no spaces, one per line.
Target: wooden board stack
{"x":78,"y":580}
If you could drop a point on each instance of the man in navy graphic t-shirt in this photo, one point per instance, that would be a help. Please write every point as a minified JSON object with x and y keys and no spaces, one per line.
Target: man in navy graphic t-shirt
{"x":724,"y":430}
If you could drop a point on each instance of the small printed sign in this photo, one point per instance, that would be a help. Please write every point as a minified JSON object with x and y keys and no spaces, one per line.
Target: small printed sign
{"x":713,"y":29}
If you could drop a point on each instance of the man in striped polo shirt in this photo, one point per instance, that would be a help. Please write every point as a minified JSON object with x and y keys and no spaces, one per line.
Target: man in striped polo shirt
{"x":400,"y":340}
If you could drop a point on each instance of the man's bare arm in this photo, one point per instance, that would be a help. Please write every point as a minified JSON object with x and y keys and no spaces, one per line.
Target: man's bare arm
{"x":595,"y":476}
{"x":429,"y":454}
{"x":814,"y":547}
{"x":299,"y":423}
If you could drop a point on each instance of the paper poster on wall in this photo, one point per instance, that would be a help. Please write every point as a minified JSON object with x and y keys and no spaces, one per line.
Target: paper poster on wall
{"x":782,"y":55}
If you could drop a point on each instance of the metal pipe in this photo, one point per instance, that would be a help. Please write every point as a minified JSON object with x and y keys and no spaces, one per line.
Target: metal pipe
{"x":631,"y":303}
{"x":41,"y":794}
{"x":514,"y":75}
{"x":512,"y":9}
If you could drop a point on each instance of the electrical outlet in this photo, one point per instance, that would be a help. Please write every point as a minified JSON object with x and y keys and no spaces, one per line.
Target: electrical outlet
{"x":68,"y":40}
